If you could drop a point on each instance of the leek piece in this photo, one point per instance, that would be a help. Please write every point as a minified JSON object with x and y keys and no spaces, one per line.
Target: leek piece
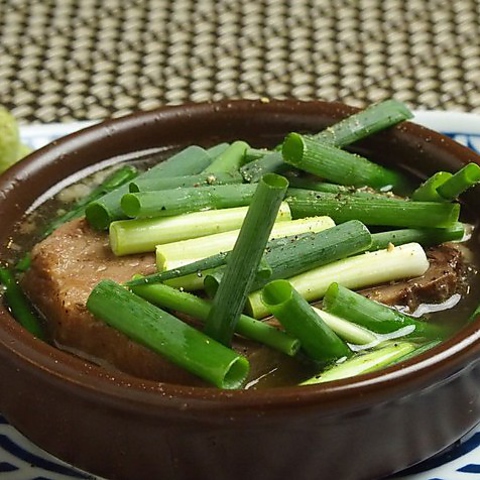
{"x":102,"y":212}
{"x":373,"y":211}
{"x":171,"y":298}
{"x":167,"y":203}
{"x":418,"y":351}
{"x":366,"y":122}
{"x":230,"y":160}
{"x":253,"y":154}
{"x":195,"y":267}
{"x":364,"y":362}
{"x":427,"y":191}
{"x":359,"y":271}
{"x":337,"y":165}
{"x":372,"y":315}
{"x":348,"y":331}
{"x":475,"y":313}
{"x":216,"y":150}
{"x":300,"y":254}
{"x":18,"y":304}
{"x":183,"y":270}
{"x":245,"y":258}
{"x":191,"y":282}
{"x":200,"y":179}
{"x":459,"y":182}
{"x":143,"y":235}
{"x":271,"y":162}
{"x":372,"y":119}
{"x":298,"y":318}
{"x":326,"y":187}
{"x":166,"y":335}
{"x":320,"y":248}
{"x":173,"y":255}
{"x":189,"y":161}
{"x":426,"y":237}
{"x":24,"y":263}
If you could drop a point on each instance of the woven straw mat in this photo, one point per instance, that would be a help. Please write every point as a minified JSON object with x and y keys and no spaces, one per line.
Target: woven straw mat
{"x":90,"y":59}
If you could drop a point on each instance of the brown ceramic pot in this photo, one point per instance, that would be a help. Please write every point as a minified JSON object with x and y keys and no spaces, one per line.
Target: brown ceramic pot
{"x":121,"y":427}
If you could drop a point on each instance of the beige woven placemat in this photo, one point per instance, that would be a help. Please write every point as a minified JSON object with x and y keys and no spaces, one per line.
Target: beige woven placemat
{"x":90,"y":59}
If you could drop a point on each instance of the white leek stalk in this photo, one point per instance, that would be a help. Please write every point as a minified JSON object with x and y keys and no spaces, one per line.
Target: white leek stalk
{"x":174,"y":255}
{"x":143,"y":235}
{"x":359,"y":271}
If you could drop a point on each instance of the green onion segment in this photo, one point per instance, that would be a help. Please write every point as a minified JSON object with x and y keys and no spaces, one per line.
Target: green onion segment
{"x":165,"y":334}
{"x":318,"y":340}
{"x":245,"y":258}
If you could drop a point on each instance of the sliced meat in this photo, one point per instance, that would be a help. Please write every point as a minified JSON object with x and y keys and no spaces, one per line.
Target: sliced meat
{"x":445,"y":277}
{"x":64,"y":269}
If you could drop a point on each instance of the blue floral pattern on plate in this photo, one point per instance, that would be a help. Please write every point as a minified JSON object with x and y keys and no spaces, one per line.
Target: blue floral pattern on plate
{"x":20,"y":459}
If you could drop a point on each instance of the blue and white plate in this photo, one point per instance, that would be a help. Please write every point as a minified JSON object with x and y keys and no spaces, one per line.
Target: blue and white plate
{"x":22,"y":460}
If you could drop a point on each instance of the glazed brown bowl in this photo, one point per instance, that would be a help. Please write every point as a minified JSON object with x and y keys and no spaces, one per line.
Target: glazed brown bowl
{"x":121,"y":427}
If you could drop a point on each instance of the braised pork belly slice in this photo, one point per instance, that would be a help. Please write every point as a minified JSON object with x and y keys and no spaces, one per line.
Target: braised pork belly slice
{"x":64,"y":269}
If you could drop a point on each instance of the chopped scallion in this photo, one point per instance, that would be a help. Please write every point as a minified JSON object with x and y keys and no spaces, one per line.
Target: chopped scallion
{"x":298,"y":318}
{"x":168,"y":297}
{"x":245,"y":258}
{"x":167,"y":335}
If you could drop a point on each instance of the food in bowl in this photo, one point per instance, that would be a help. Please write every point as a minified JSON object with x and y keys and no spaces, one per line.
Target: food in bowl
{"x":303,"y":212}
{"x":194,"y":429}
